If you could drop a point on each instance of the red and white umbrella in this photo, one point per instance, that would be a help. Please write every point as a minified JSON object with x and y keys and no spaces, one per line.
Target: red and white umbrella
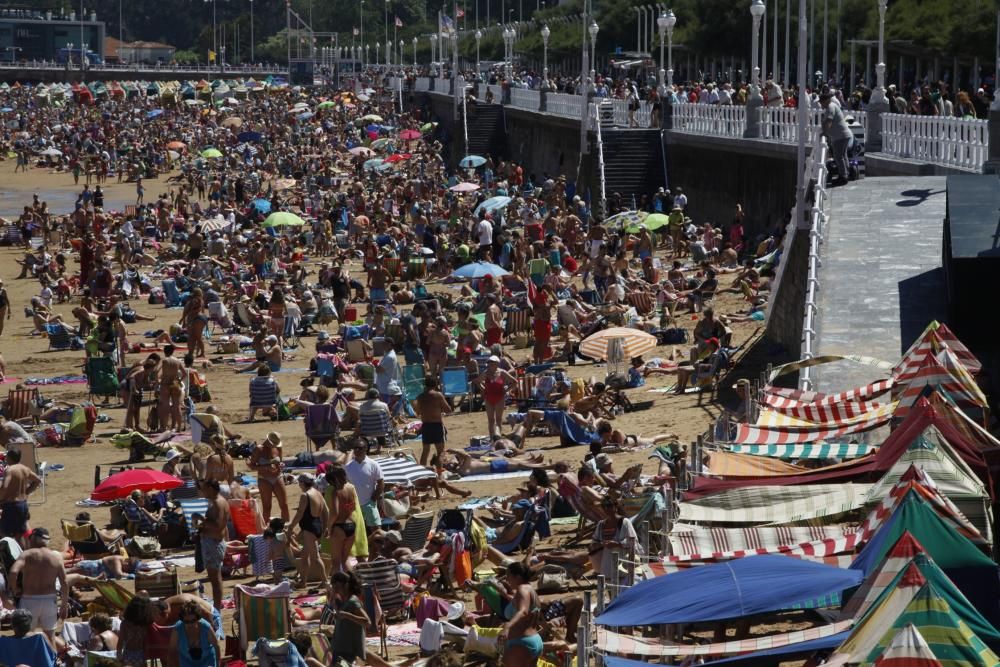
{"x":120,"y":485}
{"x":635,"y":343}
{"x":464,"y":187}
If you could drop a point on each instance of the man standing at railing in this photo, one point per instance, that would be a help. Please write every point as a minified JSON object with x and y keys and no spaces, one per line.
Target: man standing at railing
{"x":838,"y":134}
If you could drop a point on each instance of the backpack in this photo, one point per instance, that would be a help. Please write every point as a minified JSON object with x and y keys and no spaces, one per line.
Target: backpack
{"x":675,"y":336}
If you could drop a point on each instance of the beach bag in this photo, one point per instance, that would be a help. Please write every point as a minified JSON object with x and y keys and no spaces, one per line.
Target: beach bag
{"x":144,"y":547}
{"x":616,"y":381}
{"x":284,"y":414}
{"x":552,"y":579}
{"x":230,"y":347}
{"x":675,"y":336}
{"x":156,"y":296}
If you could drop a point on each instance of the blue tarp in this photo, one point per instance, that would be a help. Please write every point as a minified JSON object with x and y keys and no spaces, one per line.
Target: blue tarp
{"x":752,"y":585}
{"x":759,"y":657}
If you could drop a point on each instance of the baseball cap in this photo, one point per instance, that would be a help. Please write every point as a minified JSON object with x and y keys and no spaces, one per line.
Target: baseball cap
{"x":172,"y":454}
{"x":41,"y":533}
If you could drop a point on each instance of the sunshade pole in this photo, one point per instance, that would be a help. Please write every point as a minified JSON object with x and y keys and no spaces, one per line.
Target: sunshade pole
{"x":600,"y":594}
{"x":645,"y":538}
{"x":583,"y":633}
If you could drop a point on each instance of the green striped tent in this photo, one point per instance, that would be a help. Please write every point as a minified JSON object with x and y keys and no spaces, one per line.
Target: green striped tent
{"x":830,"y":450}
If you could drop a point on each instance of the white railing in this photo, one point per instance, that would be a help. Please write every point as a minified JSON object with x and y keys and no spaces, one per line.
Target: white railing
{"x":817,"y":222}
{"x":423,"y":84}
{"x":595,"y":119}
{"x":560,"y":104}
{"x":497,"y":93}
{"x":949,"y":142}
{"x":643,"y":115}
{"x":710,"y":119}
{"x":525,"y":98}
{"x":781,"y":124}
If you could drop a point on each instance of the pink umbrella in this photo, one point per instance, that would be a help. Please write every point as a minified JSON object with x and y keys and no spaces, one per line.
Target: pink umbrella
{"x":362,"y":151}
{"x":409,"y":134}
{"x":464,"y":187}
{"x":122,"y":484}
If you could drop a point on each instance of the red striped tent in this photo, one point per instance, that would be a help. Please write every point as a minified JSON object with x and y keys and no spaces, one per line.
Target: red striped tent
{"x":908,"y":649}
{"x":938,"y":336}
{"x":942,"y":370}
{"x":777,"y":397}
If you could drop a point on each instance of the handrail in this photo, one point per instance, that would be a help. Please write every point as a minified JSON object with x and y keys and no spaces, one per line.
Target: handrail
{"x":818,"y":217}
{"x":596,"y":120}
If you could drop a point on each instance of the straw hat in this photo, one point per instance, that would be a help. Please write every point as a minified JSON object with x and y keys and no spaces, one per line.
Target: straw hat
{"x":274,"y":439}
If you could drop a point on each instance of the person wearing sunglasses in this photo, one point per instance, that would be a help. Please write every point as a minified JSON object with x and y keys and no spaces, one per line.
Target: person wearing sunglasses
{"x":193,"y":642}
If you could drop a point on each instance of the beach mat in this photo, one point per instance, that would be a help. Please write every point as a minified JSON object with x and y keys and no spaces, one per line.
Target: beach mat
{"x":492,"y":476}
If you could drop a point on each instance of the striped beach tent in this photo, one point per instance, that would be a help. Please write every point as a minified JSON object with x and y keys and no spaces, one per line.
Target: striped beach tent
{"x":908,"y":649}
{"x":774,"y":504}
{"x":635,"y":343}
{"x":782,"y":397}
{"x":942,"y":370}
{"x":935,"y":337}
{"x":729,"y":464}
{"x":747,"y":434}
{"x":822,"y":413}
{"x":263,"y":612}
{"x":841,"y":414}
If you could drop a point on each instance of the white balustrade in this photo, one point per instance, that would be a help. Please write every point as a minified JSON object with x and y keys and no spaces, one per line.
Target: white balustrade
{"x":560,"y":104}
{"x":423,"y":84}
{"x":781,"y":124}
{"x":950,"y":142}
{"x":525,"y":98}
{"x":710,"y":119}
{"x":497,"y":93}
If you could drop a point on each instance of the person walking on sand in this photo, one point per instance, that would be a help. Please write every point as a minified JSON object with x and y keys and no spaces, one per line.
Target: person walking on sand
{"x":431,"y":405}
{"x":139,"y":192}
{"x":214,"y":533}
{"x":18,"y":483}
{"x":5,"y":309}
{"x":172,"y":375}
{"x":33,"y":578}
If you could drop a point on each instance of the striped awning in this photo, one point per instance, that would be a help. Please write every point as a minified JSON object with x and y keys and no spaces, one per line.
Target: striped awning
{"x":763,"y":435}
{"x":781,"y":397}
{"x":620,"y":644}
{"x":835,"y":415}
{"x":729,"y":464}
{"x":774,"y":504}
{"x":819,"y":451}
{"x":401,"y":469}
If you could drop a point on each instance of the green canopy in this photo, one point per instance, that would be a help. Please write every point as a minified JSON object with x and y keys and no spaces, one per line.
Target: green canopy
{"x":211,"y":153}
{"x":283,"y":219}
{"x":325,"y":105}
{"x":652,"y":222}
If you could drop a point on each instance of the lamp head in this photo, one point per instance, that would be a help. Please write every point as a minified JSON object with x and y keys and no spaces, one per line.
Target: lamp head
{"x":434,"y":37}
{"x":757,"y":8}
{"x":454,"y":37}
{"x":545,"y":31}
{"x":414,"y":41}
{"x":593,"y":29}
{"x":671,"y":20}
{"x":479,"y":35}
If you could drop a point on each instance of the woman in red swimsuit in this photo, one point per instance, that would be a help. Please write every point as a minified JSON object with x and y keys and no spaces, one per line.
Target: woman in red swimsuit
{"x":494,"y":381}
{"x":342,"y":499}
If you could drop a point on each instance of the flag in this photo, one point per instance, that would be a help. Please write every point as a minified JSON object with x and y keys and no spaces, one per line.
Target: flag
{"x":211,"y":56}
{"x":356,"y":32}
{"x":447,"y":25}
{"x":399,"y":22}
{"x":460,"y":13}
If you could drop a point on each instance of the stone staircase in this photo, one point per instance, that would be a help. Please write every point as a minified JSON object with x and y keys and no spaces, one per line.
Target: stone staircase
{"x":633,"y":163}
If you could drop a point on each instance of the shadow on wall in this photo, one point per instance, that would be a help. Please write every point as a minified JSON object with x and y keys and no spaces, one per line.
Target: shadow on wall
{"x":917,"y":197}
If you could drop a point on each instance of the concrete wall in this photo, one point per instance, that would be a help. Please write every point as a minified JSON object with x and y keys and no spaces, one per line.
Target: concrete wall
{"x":877,"y":164}
{"x":543,"y":143}
{"x":787,"y":304}
{"x":717,"y":173}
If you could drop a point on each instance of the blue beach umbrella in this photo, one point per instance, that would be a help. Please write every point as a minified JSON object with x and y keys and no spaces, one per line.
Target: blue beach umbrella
{"x":492,"y":204}
{"x":478,"y":270}
{"x":472,"y":161}
{"x":262,"y":205}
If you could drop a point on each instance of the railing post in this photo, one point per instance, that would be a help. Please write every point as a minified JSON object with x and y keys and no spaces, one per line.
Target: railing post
{"x":992,"y":164}
{"x":543,"y":98}
{"x":873,"y":127}
{"x":754,"y":109}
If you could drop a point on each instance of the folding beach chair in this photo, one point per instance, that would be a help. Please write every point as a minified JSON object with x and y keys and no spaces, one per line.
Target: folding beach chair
{"x":517,"y":321}
{"x":455,"y":382}
{"x":393,"y":265}
{"x":643,"y":302}
{"x":171,"y":295}
{"x":115,"y":595}
{"x":357,"y":351}
{"x":59,"y":338}
{"x":416,"y":530}
{"x":29,"y":458}
{"x":84,"y":540}
{"x":416,"y":268}
{"x":218,"y":315}
{"x":413,"y":381}
{"x":102,"y":377}
{"x":382,"y":576}
{"x":19,"y":403}
{"x":325,"y":367}
{"x":160,"y":585}
{"x":570,"y":490}
{"x":365,"y":372}
{"x":261,"y":614}
{"x":523,"y":539}
{"x":378,"y":426}
{"x":190,"y":507}
{"x":263,"y":393}
{"x":322,"y":424}
{"x":244,"y":319}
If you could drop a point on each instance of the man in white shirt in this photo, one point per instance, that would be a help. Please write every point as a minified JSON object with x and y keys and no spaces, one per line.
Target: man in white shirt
{"x":680,"y":199}
{"x":484,"y":231}
{"x":366,"y":476}
{"x":726,"y":95}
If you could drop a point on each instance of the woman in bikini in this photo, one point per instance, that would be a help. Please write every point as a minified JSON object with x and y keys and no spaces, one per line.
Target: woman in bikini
{"x":194,"y":321}
{"x":266,"y":462}
{"x":494,"y":382}
{"x":311,"y":518}
{"x":342,"y":499}
{"x":439,"y":340}
{"x":521,"y":641}
{"x":276,"y":311}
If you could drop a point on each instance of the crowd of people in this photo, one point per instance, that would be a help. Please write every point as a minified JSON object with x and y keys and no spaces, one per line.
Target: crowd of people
{"x":328,"y":223}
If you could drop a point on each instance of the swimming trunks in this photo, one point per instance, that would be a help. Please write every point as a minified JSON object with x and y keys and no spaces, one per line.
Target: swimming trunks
{"x":499,"y":465}
{"x":14,"y":517}
{"x":348,"y":527}
{"x":432,"y":433}
{"x":44,"y":611}
{"x":213,"y":552}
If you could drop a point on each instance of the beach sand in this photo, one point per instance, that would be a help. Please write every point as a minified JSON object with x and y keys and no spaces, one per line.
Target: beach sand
{"x":26,"y":356}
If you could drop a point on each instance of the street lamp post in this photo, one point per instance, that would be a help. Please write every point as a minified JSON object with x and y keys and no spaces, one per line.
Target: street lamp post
{"x":434,"y":39}
{"x":479,"y":38}
{"x":755,"y":102}
{"x":414,"y":54}
{"x":666,"y":24}
{"x":251,"y":33}
{"x":387,"y":47}
{"x":593,"y":30}
{"x":455,"y":87}
{"x":545,"y":54}
{"x":401,"y":45}
{"x":878,"y":95}
{"x":378,"y":51}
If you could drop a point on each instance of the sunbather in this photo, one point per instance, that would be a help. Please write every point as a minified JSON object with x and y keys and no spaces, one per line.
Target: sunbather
{"x":109,"y":567}
{"x":463,"y":464}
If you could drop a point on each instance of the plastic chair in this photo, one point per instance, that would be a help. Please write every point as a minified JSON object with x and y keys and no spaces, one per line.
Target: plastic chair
{"x":413,"y":381}
{"x":171,"y":295}
{"x":379,"y":426}
{"x":59,"y":338}
{"x":116,"y":595}
{"x":322,"y":424}
{"x":84,"y":539}
{"x":382,"y":576}
{"x":416,"y":530}
{"x":455,"y":382}
{"x":102,"y":377}
{"x":263,"y":393}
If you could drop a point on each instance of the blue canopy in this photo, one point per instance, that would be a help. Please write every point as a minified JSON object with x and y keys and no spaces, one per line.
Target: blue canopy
{"x":262,"y":205}
{"x":252,"y":137}
{"x":757,"y":657}
{"x":743,"y":587}
{"x":472,"y":161}
{"x":478,"y":270}
{"x":154,"y":113}
{"x":306,"y":115}
{"x":492,"y":204}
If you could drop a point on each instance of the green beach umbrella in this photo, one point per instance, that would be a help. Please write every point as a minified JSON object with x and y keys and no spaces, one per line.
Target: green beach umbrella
{"x":283,"y":219}
{"x":652,"y":222}
{"x":211,"y":153}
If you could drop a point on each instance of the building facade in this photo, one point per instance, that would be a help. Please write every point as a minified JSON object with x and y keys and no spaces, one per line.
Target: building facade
{"x":28,"y":35}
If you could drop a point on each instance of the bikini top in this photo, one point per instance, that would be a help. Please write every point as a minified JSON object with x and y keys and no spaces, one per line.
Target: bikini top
{"x":509,"y":610}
